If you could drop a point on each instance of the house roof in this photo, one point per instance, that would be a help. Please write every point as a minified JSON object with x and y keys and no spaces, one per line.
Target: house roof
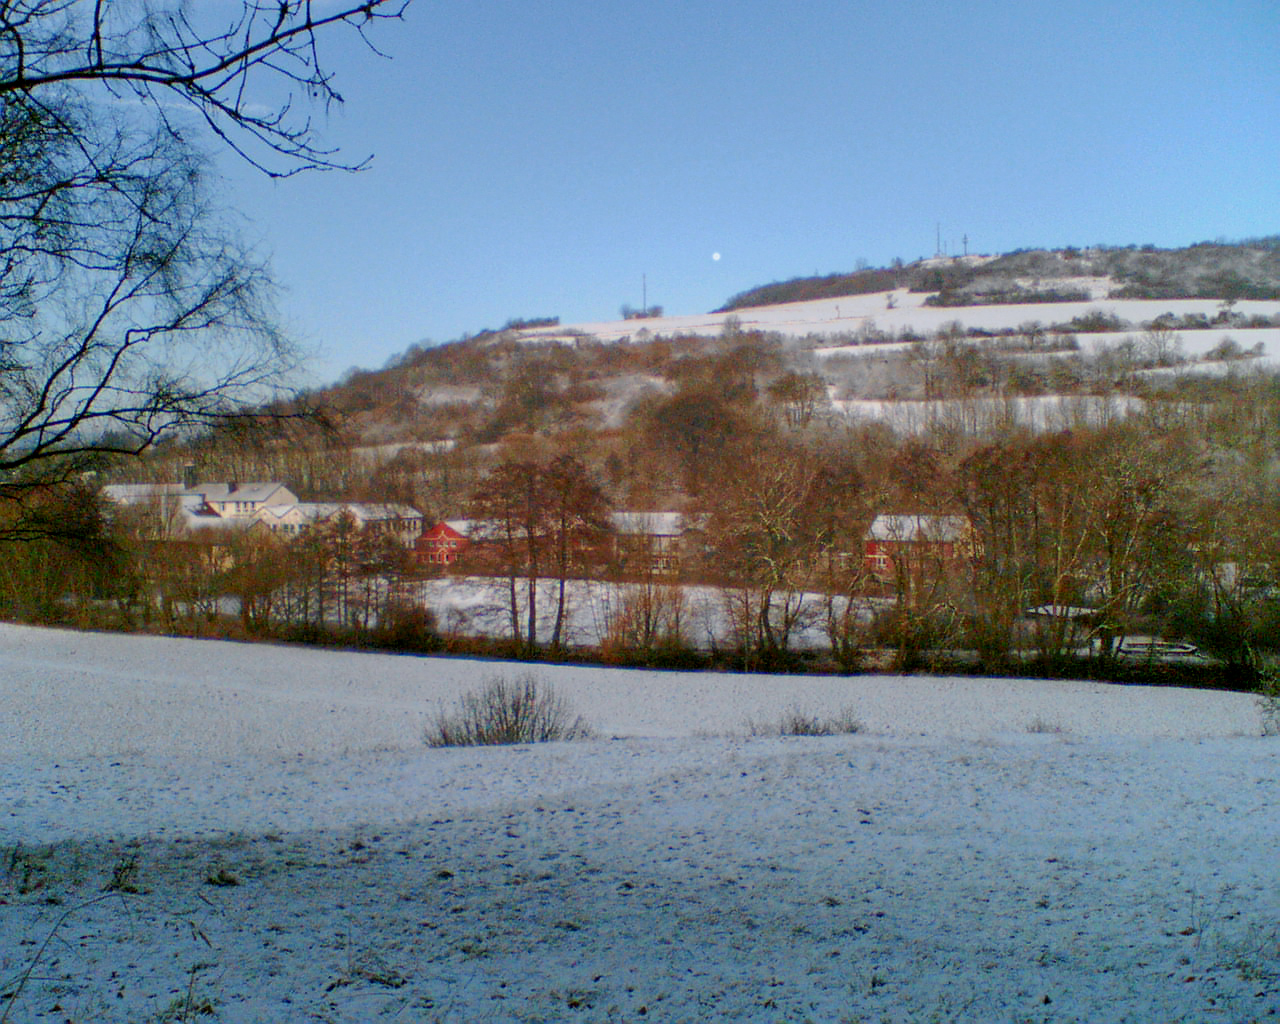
{"x":916,"y":528}
{"x":319,"y":511}
{"x":178,"y":508}
{"x":650,"y":524}
{"x":136,"y":494}
{"x":258,"y":491}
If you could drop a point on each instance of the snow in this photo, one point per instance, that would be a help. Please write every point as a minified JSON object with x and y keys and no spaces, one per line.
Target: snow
{"x":1040,"y":412}
{"x":480,"y":606}
{"x":893,"y":312}
{"x":983,"y":850}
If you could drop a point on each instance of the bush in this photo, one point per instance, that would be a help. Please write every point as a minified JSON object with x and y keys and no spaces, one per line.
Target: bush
{"x":1268,"y":691}
{"x":409,"y":628}
{"x":795,"y":722}
{"x":508,"y":712}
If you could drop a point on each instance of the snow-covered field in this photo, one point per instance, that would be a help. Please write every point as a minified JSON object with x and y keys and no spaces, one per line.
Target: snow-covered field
{"x":984,"y":850}
{"x":479,"y":606}
{"x":892,"y":312}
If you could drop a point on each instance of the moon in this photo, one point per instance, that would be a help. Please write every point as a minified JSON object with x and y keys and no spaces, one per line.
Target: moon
{"x":715,"y":256}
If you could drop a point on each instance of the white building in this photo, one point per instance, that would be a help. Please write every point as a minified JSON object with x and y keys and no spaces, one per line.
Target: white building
{"x":403,"y":522}
{"x":181,"y":508}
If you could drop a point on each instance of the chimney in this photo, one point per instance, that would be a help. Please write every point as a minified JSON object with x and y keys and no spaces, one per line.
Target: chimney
{"x":233,"y":487}
{"x":189,"y":477}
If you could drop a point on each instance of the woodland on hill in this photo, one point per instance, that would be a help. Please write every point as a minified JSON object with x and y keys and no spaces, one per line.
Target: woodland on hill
{"x":1222,"y":270}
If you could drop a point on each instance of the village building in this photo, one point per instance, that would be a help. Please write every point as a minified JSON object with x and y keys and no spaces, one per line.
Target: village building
{"x":444,"y":543}
{"x":176,"y":509}
{"x":637,"y":543}
{"x":907,"y":554}
{"x":173,"y":509}
{"x":401,"y":522}
{"x":656,"y":543}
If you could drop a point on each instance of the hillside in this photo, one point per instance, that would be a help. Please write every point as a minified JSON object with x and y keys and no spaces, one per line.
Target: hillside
{"x":887,"y":346}
{"x":651,"y":404}
{"x":1242,"y":270}
{"x":1110,"y":453}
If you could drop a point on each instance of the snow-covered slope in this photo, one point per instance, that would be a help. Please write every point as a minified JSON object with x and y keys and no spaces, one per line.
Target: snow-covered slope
{"x":893,"y":312}
{"x":983,"y":850}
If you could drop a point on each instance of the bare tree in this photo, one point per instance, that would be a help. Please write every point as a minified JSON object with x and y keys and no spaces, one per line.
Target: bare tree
{"x":167,"y":53}
{"x":799,"y":395}
{"x":575,"y":515}
{"x":510,"y":503}
{"x":539,"y":517}
{"x":771,"y":530}
{"x":128,"y":308}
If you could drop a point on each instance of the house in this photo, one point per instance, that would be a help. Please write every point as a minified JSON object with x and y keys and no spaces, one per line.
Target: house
{"x":189,"y":506}
{"x":898,"y":548}
{"x":448,"y":541}
{"x":444,"y":542}
{"x":242,"y":501}
{"x":401,"y":522}
{"x":652,"y":542}
{"x":639,"y":542}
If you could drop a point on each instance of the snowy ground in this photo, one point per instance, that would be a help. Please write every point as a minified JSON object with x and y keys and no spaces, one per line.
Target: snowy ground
{"x":983,"y":850}
{"x":479,"y":606}
{"x":892,"y":312}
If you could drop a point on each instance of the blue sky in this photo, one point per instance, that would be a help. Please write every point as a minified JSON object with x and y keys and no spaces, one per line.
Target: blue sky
{"x":543,"y":159}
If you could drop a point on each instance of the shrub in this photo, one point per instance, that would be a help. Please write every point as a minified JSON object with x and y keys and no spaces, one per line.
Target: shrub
{"x":1268,"y":692}
{"x":409,"y":628}
{"x":505,"y":711}
{"x":795,"y":722}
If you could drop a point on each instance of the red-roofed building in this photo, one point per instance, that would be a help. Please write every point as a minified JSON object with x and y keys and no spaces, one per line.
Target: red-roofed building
{"x":443,"y":543}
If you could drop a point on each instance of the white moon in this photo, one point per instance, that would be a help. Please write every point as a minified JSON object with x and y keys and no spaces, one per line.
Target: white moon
{"x":715,"y":255}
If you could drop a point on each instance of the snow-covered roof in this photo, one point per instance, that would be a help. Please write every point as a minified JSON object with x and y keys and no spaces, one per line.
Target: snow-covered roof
{"x":178,"y":509}
{"x":258,"y":491}
{"x":912,"y":528}
{"x":137,"y":494}
{"x":650,"y":524}
{"x":320,"y":511}
{"x":1061,"y":611}
{"x":377,"y":511}
{"x":212,"y":492}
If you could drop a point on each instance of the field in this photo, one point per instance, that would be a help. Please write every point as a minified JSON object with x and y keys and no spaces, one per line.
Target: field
{"x":202,"y":830}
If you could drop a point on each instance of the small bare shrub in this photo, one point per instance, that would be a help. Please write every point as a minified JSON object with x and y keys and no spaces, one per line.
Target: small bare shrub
{"x":26,"y":870}
{"x":795,"y":722}
{"x":1268,"y":693}
{"x":124,"y":877}
{"x":506,"y":711}
{"x":1040,"y":725}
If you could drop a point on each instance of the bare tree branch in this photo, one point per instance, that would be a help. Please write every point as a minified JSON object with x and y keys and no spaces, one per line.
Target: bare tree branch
{"x":128,"y":308}
{"x":159,"y":54}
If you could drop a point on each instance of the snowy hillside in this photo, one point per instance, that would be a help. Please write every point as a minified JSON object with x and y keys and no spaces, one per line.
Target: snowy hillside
{"x":901,"y":310}
{"x":253,"y":834}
